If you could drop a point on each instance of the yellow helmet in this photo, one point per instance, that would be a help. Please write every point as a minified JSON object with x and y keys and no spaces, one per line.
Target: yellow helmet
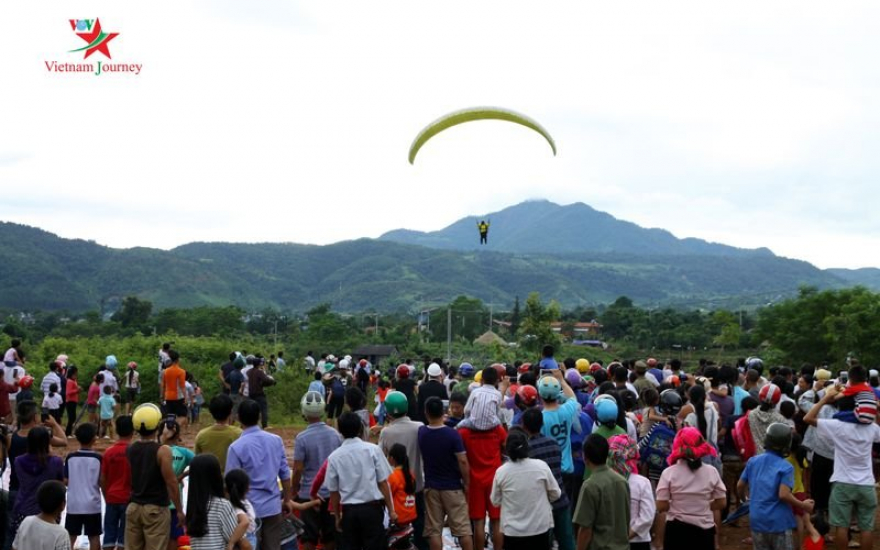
{"x":478,"y":378}
{"x":146,"y":418}
{"x":582,"y":365}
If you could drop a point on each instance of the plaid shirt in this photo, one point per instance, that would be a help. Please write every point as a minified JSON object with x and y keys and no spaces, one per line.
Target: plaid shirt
{"x":543,"y":448}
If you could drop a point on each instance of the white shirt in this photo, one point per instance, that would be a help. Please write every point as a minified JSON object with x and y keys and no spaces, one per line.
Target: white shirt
{"x":245,"y":390}
{"x":109,"y":380}
{"x":52,"y":402}
{"x":852,"y":450}
{"x":355,"y":469}
{"x":36,"y":533}
{"x":310,"y":362}
{"x":524,"y":490}
{"x":48,"y":380}
{"x":642,"y":508}
{"x":9,"y":377}
{"x":711,"y":422}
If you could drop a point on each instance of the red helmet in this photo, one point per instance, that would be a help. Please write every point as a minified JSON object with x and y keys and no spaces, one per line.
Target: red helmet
{"x":362,"y":362}
{"x":527,"y":396}
{"x":132,"y":365}
{"x":525,"y":367}
{"x":652,"y":362}
{"x":594,"y":367}
{"x":26,"y":381}
{"x":403,"y":371}
{"x":500,"y":369}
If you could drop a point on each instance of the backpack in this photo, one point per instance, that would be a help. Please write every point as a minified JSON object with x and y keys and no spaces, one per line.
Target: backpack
{"x":656,"y":446}
{"x":742,"y":438}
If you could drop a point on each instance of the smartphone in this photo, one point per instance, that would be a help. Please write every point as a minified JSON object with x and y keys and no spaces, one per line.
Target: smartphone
{"x":445,"y":406}
{"x":843,"y":376}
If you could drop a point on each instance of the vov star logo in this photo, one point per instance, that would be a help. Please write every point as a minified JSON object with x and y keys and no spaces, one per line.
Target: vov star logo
{"x":96,"y":39}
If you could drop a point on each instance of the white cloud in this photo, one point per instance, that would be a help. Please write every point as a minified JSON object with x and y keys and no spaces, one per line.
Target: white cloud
{"x":750,"y":124}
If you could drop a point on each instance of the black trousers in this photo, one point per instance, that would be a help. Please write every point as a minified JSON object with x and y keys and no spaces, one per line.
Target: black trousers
{"x":362,"y":527}
{"x":70,"y":406}
{"x":534,"y":542}
{"x":484,"y":238}
{"x":820,"y":480}
{"x":681,"y":535}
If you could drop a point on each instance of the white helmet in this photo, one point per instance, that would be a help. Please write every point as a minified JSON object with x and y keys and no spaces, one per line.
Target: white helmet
{"x":312,"y":405}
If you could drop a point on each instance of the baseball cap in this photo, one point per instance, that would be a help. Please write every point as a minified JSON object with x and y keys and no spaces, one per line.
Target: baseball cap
{"x":641,"y":366}
{"x":434,"y":370}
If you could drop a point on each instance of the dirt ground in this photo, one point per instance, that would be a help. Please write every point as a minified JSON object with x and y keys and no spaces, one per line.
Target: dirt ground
{"x":731,"y":537}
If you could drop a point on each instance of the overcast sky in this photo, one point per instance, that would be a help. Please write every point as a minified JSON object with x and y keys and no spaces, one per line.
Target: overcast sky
{"x":751,"y":124}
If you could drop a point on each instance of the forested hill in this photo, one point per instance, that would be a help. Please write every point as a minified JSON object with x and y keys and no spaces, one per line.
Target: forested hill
{"x":543,"y":226}
{"x":42,"y":271}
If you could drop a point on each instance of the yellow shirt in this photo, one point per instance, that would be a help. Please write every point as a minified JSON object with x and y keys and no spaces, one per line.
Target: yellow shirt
{"x":798,"y":474}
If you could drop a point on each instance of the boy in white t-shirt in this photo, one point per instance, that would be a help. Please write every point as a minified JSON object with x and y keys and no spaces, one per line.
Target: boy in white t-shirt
{"x":82,"y":472}
{"x":42,"y":532}
{"x":852,"y":490}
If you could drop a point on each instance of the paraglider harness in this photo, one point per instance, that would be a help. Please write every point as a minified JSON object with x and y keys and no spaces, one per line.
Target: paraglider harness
{"x":483,"y":227}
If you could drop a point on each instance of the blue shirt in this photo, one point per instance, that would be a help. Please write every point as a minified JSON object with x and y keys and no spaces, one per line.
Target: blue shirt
{"x":261,"y":455}
{"x":557,"y":426}
{"x":765,"y":473}
{"x":318,"y":386}
{"x":107,"y":404}
{"x":312,"y":446}
{"x":577,"y":443}
{"x":439,"y":448}
{"x":738,"y":395}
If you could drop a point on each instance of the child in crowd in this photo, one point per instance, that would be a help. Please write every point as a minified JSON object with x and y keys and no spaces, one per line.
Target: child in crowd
{"x":107,"y":404}
{"x":317,"y":385}
{"x":116,"y":485}
{"x":42,"y":532}
{"x":483,"y":409}
{"x":181,"y":457}
{"x":356,"y":401}
{"x":457,"y":402}
{"x":381,"y":391}
{"x":787,"y":410}
{"x":92,"y":397}
{"x":769,"y":480}
{"x":816,"y":528}
{"x":403,"y":485}
{"x":237,"y":487}
{"x":132,"y":385}
{"x":798,"y":459}
{"x":82,"y":474}
{"x":52,"y":402}
{"x":651,"y":413}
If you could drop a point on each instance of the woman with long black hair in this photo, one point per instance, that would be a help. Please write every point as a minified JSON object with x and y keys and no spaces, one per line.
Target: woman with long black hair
{"x":210,"y":519}
{"x":524,"y":488}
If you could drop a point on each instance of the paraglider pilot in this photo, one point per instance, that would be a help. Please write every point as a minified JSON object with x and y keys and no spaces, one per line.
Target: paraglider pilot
{"x":483,"y":226}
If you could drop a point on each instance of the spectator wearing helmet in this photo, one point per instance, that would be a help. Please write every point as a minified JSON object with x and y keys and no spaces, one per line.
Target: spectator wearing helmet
{"x":404,"y":384}
{"x":560,"y":414}
{"x":766,"y":414}
{"x":153,"y":488}
{"x":311,"y":448}
{"x":852,"y":480}
{"x":402,"y":429}
{"x":483,"y":409}
{"x":432,"y":387}
{"x":526,"y":397}
{"x":768,"y":480}
{"x":217,"y":438}
{"x":261,"y":455}
{"x":547,"y":449}
{"x":465,"y":378}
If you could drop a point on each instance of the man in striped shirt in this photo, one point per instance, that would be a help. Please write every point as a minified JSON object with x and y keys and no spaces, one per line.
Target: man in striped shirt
{"x":544,"y":448}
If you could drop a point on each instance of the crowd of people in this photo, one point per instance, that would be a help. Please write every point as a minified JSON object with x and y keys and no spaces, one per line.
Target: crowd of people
{"x":635,"y":454}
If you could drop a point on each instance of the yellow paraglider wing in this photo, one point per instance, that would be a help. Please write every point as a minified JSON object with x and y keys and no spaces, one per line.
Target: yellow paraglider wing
{"x":475,"y":113}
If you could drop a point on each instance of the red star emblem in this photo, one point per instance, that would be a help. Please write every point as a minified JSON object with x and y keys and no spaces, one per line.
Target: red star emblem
{"x":97,"y":40}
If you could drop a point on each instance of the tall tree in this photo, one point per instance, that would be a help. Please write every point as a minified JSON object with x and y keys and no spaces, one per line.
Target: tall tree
{"x":134,"y":312}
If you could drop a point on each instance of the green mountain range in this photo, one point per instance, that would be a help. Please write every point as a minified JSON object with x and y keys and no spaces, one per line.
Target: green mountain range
{"x":573,"y":254}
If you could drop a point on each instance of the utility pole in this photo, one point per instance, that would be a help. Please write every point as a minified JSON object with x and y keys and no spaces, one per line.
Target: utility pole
{"x":491,"y":310}
{"x":449,"y":334}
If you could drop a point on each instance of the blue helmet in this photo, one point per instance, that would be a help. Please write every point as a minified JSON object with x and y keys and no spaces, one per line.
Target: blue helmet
{"x":606,"y":410}
{"x":466,"y":370}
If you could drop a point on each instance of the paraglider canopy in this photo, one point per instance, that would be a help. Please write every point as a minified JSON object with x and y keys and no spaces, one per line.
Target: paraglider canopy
{"x":475,"y":113}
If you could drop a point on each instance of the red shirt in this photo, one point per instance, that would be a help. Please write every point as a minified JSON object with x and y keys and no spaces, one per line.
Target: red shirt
{"x":483,"y":453}
{"x":72,"y":394}
{"x":117,"y":472}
